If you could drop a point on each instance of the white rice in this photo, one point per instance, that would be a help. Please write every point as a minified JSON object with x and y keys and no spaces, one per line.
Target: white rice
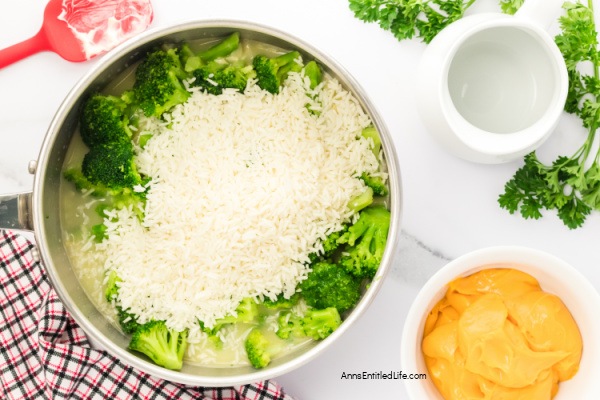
{"x":243,"y":187}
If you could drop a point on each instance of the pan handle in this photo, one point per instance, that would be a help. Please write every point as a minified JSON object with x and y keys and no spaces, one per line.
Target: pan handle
{"x":15,"y":211}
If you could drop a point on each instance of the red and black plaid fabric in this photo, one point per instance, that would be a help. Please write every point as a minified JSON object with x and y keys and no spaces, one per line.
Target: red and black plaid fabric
{"x":44,"y":354}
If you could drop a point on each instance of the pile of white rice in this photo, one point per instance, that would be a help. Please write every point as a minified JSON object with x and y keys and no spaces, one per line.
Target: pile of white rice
{"x":244,"y":187}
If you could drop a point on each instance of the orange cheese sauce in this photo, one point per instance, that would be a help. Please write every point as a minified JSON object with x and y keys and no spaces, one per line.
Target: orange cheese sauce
{"x":497,"y":335}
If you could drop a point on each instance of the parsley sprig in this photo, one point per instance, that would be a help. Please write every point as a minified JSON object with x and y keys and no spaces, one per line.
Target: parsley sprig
{"x":510,"y":6}
{"x":570,"y":185}
{"x":411,"y":18}
{"x":424,"y":19}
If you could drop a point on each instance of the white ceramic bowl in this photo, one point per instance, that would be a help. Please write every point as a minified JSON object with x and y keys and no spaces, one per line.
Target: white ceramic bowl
{"x":554,"y":275}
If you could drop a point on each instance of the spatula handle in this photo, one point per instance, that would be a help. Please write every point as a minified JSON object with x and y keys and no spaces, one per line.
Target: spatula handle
{"x":23,"y":49}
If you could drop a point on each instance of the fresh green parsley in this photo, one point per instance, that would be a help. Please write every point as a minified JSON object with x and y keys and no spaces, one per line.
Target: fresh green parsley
{"x":424,"y":19}
{"x":510,"y":6}
{"x":570,"y":185}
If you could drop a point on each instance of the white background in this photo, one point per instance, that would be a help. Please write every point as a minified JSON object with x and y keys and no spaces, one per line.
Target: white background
{"x":450,"y":205}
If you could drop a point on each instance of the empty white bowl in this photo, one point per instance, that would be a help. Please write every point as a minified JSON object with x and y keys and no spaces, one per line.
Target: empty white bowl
{"x":554,"y":275}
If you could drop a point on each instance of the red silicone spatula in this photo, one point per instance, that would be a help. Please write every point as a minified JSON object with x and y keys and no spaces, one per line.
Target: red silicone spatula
{"x":78,"y":30}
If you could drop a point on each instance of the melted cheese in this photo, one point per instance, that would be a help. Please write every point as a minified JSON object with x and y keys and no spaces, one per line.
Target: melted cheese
{"x":497,"y":335}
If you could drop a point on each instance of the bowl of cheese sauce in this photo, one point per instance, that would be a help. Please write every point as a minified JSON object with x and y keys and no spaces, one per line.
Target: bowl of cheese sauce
{"x":504,"y":323}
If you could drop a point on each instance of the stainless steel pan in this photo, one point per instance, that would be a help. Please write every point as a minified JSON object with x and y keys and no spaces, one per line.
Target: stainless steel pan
{"x":39,"y":210}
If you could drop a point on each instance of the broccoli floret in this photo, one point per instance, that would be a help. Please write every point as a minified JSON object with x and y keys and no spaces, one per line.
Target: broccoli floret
{"x":313,"y":71}
{"x":192,"y":61}
{"x":316,"y":324}
{"x":271,"y":72}
{"x":76,"y":177}
{"x":245,"y":312}
{"x":222,"y":49}
{"x":112,"y":288}
{"x":127,"y":321}
{"x":188,"y":59}
{"x":282,"y":303}
{"x":366,"y":241}
{"x":163,"y":345}
{"x":213,"y":78}
{"x":143,"y":139}
{"x":259,"y":349}
{"x":332,"y":243}
{"x":329,"y":285}
{"x":158,"y":82}
{"x":111,"y":165}
{"x":289,"y":325}
{"x":371,"y":133}
{"x":104,"y":120}
{"x":119,"y":197}
{"x":361,"y":200}
{"x":99,"y":232}
{"x":376,"y":183}
{"x":235,"y":77}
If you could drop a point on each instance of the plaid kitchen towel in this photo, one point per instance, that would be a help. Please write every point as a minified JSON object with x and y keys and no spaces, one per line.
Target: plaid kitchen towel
{"x":44,"y":354}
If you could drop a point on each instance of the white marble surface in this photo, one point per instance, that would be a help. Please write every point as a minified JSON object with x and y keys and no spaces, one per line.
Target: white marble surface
{"x":449,"y":205}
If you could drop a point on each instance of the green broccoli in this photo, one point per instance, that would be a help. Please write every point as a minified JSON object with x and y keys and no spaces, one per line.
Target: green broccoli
{"x":213,"y":77}
{"x":127,"y":321}
{"x":163,"y":345}
{"x":99,"y":232}
{"x":192,"y":61}
{"x":316,"y":324}
{"x":245,"y":312}
{"x":112,"y":288}
{"x":331,"y":243}
{"x":289,"y":325}
{"x":118,"y":198}
{"x":328,"y":285}
{"x":143,"y":139}
{"x":111,"y":165}
{"x":281,"y":303}
{"x":104,"y":119}
{"x":361,"y":200}
{"x":376,"y":183}
{"x":371,"y":133}
{"x":158,"y":85}
{"x":76,"y":177}
{"x":365,"y":242}
{"x":259,"y":349}
{"x":271,"y":72}
{"x":313,"y":71}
